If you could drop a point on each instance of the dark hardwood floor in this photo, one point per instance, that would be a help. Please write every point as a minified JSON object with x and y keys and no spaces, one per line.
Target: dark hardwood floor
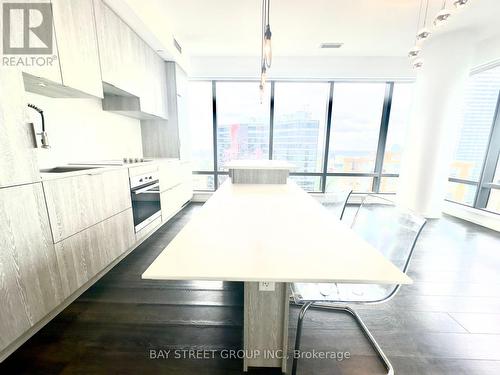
{"x":447,"y":322}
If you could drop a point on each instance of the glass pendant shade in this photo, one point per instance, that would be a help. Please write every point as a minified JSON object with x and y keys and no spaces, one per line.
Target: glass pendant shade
{"x":268,"y":53}
{"x":423,"y":33}
{"x":414,"y":52}
{"x":417,"y":63}
{"x":442,"y":16}
{"x":460,"y":3}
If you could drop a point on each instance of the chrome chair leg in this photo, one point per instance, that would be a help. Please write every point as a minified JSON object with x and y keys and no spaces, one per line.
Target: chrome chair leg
{"x":302,"y":313}
{"x":364,"y":329}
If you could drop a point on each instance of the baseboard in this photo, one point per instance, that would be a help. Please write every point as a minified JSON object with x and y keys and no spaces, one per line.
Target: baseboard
{"x":479,"y":217}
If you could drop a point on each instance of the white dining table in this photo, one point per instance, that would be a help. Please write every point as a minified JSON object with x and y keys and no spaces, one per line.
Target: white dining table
{"x":276,"y":234}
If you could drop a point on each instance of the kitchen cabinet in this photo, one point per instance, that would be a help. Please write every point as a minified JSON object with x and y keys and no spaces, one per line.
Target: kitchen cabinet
{"x":51,"y":70}
{"x":175,"y":187}
{"x":85,"y":254}
{"x":129,"y":64}
{"x":77,"y":45}
{"x":18,"y":164}
{"x":169,"y":139}
{"x":72,"y":70}
{"x":170,"y":174}
{"x":78,"y":202}
{"x":30,"y":283}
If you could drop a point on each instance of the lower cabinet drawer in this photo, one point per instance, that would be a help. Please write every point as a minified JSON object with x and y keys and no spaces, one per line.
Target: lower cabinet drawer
{"x":172,"y":200}
{"x":85,"y":254}
{"x":148,"y":229}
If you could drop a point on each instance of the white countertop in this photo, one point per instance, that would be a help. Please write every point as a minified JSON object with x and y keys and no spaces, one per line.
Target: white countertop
{"x":270,"y":233}
{"x":97,"y":169}
{"x":259,"y":164}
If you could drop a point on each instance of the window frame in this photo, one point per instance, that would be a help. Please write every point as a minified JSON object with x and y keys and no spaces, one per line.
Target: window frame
{"x":377,"y":174}
{"x":484,"y":185}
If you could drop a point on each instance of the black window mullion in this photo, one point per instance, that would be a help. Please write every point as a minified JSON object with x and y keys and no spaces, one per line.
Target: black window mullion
{"x":214,"y":131}
{"x":490,"y":161}
{"x":382,"y":137}
{"x":327,"y":137}
{"x":271,"y":122}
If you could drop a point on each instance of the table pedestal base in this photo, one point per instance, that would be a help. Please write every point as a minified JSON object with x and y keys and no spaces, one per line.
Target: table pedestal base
{"x":265,"y":329}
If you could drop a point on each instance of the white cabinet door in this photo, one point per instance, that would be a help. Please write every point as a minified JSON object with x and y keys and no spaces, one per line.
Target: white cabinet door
{"x":170,"y":174}
{"x":77,"y":45}
{"x":18,"y":163}
{"x":77,"y":203}
{"x":30,"y":283}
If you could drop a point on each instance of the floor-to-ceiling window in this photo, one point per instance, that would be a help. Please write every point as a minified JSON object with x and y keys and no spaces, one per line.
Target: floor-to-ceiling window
{"x":474,"y":175}
{"x":339,"y":135}
{"x":299,"y":128}
{"x":242,"y":122}
{"x":200,"y":120}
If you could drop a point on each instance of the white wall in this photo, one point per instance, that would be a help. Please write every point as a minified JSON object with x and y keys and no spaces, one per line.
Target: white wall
{"x":487,"y":52}
{"x":79,"y":130}
{"x":321,"y":68}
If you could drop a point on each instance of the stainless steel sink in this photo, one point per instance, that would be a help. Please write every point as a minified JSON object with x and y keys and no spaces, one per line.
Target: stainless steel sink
{"x":66,"y":168}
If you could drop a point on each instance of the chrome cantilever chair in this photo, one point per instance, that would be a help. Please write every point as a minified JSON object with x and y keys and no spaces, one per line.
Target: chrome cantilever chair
{"x":338,"y":200}
{"x":394,"y":232}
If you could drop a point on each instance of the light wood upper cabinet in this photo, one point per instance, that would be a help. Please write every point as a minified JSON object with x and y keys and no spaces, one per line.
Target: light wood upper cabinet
{"x":128,"y":63}
{"x":79,"y":202}
{"x":116,"y":43}
{"x":85,"y":254}
{"x":30,"y":284}
{"x":77,"y":45}
{"x":49,"y":70}
{"x":18,"y":163}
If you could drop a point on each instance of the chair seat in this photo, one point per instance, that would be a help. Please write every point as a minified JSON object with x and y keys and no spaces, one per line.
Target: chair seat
{"x":334,"y":292}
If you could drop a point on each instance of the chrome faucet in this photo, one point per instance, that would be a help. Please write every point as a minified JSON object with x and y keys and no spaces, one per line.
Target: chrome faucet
{"x":43,"y":134}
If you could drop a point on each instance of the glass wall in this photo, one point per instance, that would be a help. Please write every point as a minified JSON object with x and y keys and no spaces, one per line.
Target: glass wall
{"x":300,"y":111}
{"x":328,"y":130}
{"x":474,"y":171}
{"x":200,"y":125}
{"x":356,"y":118}
{"x":402,"y":98}
{"x":242,"y":122}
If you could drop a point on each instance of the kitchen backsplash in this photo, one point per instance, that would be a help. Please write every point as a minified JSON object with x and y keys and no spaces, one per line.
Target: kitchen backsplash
{"x":79,"y":130}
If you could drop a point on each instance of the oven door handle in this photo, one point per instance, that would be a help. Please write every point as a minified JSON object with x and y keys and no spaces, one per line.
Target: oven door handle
{"x":147,"y":188}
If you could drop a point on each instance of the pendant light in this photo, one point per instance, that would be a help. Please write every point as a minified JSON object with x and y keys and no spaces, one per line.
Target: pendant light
{"x":417,"y":63}
{"x":415,"y":50}
{"x":268,"y":53}
{"x":424,"y":32}
{"x":460,"y":3}
{"x":442,"y":16}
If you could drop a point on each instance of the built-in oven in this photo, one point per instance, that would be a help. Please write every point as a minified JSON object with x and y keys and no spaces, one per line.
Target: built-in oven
{"x":145,"y":192}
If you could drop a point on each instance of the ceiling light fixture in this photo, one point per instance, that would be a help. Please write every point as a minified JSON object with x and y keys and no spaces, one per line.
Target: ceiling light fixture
{"x":266,"y":50}
{"x":415,"y":50}
{"x":417,"y":63}
{"x":460,"y":3}
{"x":442,"y":16}
{"x":331,"y":45}
{"x":424,"y":32}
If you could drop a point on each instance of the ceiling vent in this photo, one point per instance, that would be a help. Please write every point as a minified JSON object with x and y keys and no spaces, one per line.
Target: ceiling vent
{"x":331,"y":45}
{"x":178,"y":46}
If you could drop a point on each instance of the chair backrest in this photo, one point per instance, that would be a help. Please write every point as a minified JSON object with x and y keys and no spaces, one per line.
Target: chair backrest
{"x":390,"y":229}
{"x":337,"y":200}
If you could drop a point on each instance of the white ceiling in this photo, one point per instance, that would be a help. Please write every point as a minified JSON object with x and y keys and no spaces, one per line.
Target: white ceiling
{"x":366,"y":27}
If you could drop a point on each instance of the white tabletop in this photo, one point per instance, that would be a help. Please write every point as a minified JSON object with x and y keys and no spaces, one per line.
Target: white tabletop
{"x":270,"y":233}
{"x":259,"y":164}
